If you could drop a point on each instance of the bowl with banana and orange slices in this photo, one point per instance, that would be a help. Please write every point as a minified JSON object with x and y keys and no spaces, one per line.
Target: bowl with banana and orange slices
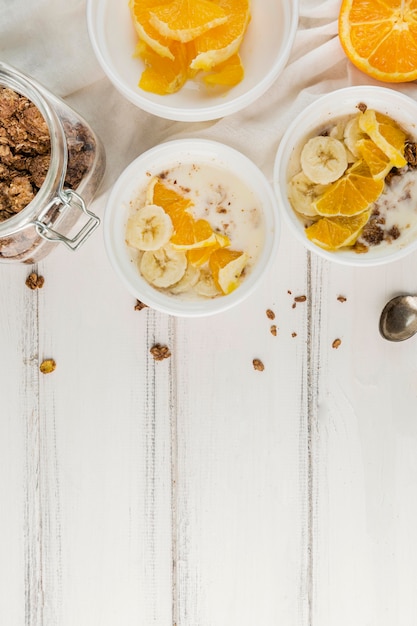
{"x":192,"y":61}
{"x":191,"y":227}
{"x":345,"y":176}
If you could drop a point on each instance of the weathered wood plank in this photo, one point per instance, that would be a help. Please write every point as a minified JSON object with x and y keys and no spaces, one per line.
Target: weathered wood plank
{"x":363,"y":535}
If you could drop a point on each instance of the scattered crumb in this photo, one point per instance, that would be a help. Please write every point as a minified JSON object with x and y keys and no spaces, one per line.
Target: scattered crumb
{"x":362,"y":107}
{"x":140,"y":305}
{"x":258,"y":365}
{"x":341,"y":298}
{"x":273,"y":330}
{"x":298,"y":299}
{"x":47,"y":366}
{"x":289,"y":291}
{"x":160,"y":352}
{"x":33,"y":281}
{"x":270,"y":314}
{"x":293,"y":334}
{"x":336,"y":343}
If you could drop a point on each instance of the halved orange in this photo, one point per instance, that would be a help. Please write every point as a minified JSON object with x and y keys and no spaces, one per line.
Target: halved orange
{"x":380,"y":37}
{"x":226,"y":267}
{"x":337,"y":232}
{"x":220,"y":43}
{"x":351,"y":194}
{"x":184,"y":20}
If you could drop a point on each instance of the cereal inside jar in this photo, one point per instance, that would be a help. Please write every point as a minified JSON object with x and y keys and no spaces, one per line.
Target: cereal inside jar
{"x":51,"y":165}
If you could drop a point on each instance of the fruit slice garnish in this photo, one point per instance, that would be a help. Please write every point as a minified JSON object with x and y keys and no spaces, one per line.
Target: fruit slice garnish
{"x":191,"y":233}
{"x":199,"y":256}
{"x":353,"y":193}
{"x":226,"y":267}
{"x":377,"y":161}
{"x":302,"y":193}
{"x":169,"y":199}
{"x":222,"y":42}
{"x":149,"y":229}
{"x":173,"y":203}
{"x":352,"y":134}
{"x":227,"y":74}
{"x":387,"y":135}
{"x":184,"y":20}
{"x":323,"y":159}
{"x":380,"y":37}
{"x":337,"y":232}
{"x":139,"y":10}
{"x":162,"y":75}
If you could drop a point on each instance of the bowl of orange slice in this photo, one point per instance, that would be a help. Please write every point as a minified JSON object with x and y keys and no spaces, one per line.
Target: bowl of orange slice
{"x":192,"y":60}
{"x":345,"y":176}
{"x":191,"y":227}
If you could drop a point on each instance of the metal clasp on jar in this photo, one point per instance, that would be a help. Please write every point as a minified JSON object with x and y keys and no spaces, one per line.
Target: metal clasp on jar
{"x":67,"y":200}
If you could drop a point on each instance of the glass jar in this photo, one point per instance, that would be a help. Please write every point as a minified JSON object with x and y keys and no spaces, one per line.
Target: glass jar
{"x":72,"y":176}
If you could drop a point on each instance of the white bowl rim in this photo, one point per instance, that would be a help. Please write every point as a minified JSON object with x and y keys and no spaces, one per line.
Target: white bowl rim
{"x":204,"y":113}
{"x":352,"y":93}
{"x":160,"y":156}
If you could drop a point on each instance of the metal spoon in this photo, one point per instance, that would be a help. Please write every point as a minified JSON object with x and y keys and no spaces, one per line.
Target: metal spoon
{"x":398,"y":319}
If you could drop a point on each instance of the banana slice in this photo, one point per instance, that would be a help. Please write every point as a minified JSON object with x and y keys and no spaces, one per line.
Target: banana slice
{"x":302,"y":192}
{"x":337,"y":130}
{"x":353,"y":134}
{"x":187,"y":282}
{"x":163,"y":267}
{"x":323,"y":159}
{"x":206,"y":286}
{"x":149,"y":190}
{"x":149,"y":229}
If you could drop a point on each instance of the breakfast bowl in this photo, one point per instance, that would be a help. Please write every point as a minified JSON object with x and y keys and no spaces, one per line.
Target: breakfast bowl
{"x":264,"y":52}
{"x":191,"y":227}
{"x":345,"y":176}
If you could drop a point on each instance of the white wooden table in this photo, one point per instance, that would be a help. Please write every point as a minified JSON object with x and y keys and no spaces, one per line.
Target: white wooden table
{"x":197,"y":491}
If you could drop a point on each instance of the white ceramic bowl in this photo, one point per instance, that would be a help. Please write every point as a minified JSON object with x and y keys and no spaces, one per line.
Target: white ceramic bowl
{"x":135,"y":178}
{"x":265,"y":51}
{"x":339,"y":103}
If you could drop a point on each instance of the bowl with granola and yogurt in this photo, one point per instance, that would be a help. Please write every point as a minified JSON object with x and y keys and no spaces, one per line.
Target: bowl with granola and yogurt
{"x":191,"y":226}
{"x":345,"y":176}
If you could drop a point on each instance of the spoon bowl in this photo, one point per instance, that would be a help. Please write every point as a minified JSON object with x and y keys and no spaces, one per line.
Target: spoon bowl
{"x":398,"y":319}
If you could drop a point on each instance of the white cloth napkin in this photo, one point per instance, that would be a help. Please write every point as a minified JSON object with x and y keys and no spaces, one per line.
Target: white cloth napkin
{"x":48,"y":39}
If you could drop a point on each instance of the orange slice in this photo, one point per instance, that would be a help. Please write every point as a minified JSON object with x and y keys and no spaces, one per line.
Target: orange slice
{"x":226,"y":74}
{"x":377,"y":161}
{"x":351,"y":194}
{"x":139,"y":10}
{"x":387,"y":135}
{"x":222,"y":42}
{"x":226,"y":267}
{"x":184,"y":20}
{"x":190,"y":233}
{"x":169,"y":199}
{"x":200,"y":256}
{"x":380,"y":37}
{"x":162,"y":75}
{"x":337,"y":232}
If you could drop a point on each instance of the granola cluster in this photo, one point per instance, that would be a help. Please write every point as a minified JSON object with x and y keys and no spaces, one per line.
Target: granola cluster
{"x":24,"y":152}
